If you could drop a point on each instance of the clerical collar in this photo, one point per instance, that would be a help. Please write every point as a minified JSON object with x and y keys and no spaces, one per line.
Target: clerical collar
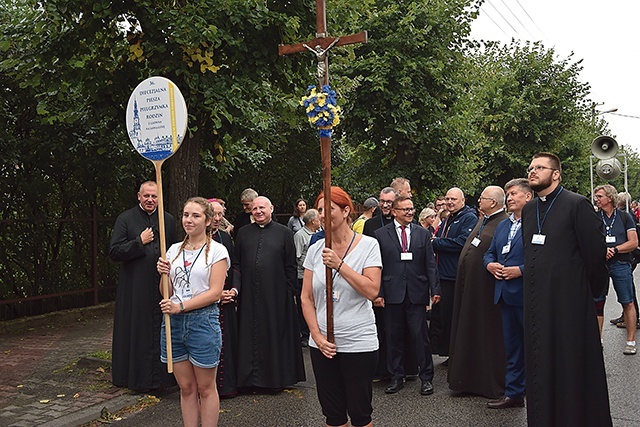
{"x":264,"y":225}
{"x":148,"y":213}
{"x":496,"y":212}
{"x":551,"y":195}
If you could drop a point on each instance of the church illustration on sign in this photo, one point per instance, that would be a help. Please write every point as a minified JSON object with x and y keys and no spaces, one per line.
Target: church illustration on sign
{"x":158,"y":148}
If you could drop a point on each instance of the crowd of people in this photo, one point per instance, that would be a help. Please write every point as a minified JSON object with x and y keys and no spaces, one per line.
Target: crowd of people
{"x":509,"y":292}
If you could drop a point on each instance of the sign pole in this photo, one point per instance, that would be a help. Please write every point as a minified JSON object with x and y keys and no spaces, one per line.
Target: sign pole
{"x":157,"y":123}
{"x":157,"y":164}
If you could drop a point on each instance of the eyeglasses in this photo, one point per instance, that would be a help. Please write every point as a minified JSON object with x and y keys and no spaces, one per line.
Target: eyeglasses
{"x":598,"y":196}
{"x":385,"y":202}
{"x":405,"y":210}
{"x":539,"y":168}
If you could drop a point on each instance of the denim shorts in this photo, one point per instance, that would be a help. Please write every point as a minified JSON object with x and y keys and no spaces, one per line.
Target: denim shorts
{"x":622,"y":276}
{"x":195,"y":336}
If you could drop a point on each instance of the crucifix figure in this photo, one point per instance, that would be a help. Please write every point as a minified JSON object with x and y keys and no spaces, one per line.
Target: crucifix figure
{"x":321,"y":54}
{"x":322,"y":44}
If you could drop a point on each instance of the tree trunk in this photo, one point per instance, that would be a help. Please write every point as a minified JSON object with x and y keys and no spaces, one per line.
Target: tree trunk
{"x":184,"y":174}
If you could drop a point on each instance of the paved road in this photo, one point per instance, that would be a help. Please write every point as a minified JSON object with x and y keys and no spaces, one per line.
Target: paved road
{"x":38,"y":362}
{"x":299,"y":406}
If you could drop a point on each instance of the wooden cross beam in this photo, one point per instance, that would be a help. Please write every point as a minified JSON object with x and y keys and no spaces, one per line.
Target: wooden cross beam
{"x":320,"y":47}
{"x":322,"y":43}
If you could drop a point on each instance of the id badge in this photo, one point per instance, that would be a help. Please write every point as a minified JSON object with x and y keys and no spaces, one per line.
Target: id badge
{"x":406,"y":256}
{"x":506,"y":248}
{"x":610,"y":239}
{"x":538,"y":239}
{"x":186,"y":292}
{"x":475,"y":242}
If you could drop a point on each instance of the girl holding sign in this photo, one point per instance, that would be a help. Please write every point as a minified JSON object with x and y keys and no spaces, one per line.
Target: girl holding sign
{"x":197,"y":268}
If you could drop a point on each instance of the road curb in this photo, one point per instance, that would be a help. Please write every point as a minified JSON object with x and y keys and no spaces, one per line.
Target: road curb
{"x":92,"y":413}
{"x":23,"y":324}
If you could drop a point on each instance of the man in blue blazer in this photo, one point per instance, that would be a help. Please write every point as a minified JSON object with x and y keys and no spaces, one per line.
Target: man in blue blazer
{"x":505,"y":260}
{"x":409,"y":278}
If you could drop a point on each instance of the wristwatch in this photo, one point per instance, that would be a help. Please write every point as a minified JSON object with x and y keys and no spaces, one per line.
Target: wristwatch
{"x":615,"y":249}
{"x":181,"y":307}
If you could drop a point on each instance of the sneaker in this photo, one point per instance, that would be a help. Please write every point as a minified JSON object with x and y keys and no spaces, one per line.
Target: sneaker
{"x":617,"y":320}
{"x":630,"y":349}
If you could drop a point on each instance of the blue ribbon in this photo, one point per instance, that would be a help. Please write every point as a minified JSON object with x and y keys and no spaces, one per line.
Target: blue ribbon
{"x":325,"y":132}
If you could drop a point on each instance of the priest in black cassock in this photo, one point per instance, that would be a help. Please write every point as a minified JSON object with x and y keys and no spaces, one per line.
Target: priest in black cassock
{"x":137,"y":319}
{"x":564,"y":269}
{"x":477,"y":360}
{"x":269,"y":352}
{"x":226,"y":375}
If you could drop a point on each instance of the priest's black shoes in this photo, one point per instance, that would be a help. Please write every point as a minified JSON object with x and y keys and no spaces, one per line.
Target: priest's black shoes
{"x":426,"y":388}
{"x":506,"y":402}
{"x":394,"y":386}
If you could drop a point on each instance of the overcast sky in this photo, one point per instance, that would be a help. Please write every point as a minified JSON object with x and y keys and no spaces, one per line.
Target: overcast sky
{"x":605,"y":34}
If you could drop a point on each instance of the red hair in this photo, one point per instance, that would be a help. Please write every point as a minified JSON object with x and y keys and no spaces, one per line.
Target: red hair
{"x":339,"y":197}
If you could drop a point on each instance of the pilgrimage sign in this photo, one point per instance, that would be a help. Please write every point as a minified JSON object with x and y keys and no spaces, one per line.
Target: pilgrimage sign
{"x":156,"y":123}
{"x":320,"y":47}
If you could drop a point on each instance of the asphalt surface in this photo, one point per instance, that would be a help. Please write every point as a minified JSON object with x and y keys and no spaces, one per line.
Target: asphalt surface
{"x":47,"y":379}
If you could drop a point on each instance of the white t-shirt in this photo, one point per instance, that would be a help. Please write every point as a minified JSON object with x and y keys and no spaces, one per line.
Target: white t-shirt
{"x":354,"y":323}
{"x":190,"y":271}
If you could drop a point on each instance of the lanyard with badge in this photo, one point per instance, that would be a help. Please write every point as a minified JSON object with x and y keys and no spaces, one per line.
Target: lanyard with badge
{"x":336,"y":294}
{"x":186,"y":292}
{"x":405,"y":255}
{"x":609,"y":227}
{"x":513,"y":231}
{"x":476,"y":240}
{"x":538,"y":239}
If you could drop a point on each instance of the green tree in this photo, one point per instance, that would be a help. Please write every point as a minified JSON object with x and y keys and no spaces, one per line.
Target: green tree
{"x":527,"y":100}
{"x":402,"y":112}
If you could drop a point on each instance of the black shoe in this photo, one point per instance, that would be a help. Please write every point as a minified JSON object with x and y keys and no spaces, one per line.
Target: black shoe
{"x":426,"y":388}
{"x":505,"y":402}
{"x":394,"y":386}
{"x":617,"y":320}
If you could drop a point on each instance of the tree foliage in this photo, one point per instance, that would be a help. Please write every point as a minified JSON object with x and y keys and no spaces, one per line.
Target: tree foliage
{"x":527,"y":100}
{"x":403,"y":113}
{"x":420,"y":100}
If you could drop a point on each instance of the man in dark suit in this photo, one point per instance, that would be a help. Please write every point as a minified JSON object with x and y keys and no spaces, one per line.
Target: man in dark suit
{"x":408,"y":278}
{"x":505,"y":261}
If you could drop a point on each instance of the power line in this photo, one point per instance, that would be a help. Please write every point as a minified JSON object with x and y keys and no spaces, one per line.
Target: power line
{"x":531,"y":19}
{"x":517,"y":19}
{"x":502,"y":16}
{"x":488,"y":15}
{"x":625,"y":115}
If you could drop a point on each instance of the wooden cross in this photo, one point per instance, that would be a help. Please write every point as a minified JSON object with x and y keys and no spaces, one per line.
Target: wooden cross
{"x":320,"y":46}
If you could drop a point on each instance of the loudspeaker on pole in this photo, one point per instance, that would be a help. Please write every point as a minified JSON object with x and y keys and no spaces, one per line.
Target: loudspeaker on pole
{"x":604,"y":147}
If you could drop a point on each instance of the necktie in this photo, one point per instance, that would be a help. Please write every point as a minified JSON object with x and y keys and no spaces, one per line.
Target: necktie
{"x":403,"y":238}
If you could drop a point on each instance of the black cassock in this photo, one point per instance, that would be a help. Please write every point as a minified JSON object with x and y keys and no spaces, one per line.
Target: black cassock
{"x":137,"y":319}
{"x":565,"y":375}
{"x":269,"y":351}
{"x":477,"y":360}
{"x":226,"y":376}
